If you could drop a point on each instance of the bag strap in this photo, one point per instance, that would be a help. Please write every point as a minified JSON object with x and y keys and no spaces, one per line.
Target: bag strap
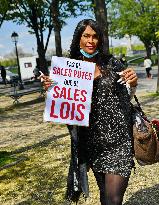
{"x":138,"y":104}
{"x":137,"y":101}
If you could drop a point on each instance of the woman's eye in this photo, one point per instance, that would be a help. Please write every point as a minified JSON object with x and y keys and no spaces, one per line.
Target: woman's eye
{"x":86,"y":36}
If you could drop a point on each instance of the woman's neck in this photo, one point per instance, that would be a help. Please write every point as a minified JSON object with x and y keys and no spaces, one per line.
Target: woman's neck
{"x":92,"y":60}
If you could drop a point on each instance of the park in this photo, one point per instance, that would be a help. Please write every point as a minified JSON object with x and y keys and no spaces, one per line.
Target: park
{"x":35,"y":154}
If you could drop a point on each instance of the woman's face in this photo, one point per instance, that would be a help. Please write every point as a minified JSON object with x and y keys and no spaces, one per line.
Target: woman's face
{"x":89,"y":40}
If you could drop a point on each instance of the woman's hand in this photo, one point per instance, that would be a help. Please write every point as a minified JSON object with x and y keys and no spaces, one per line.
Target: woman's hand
{"x":46,"y":81}
{"x":130,"y":77}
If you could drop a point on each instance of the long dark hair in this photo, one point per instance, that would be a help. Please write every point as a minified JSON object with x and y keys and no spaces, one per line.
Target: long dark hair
{"x":101,"y":58}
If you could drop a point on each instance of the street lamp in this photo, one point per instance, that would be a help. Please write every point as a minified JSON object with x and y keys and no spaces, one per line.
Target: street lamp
{"x":14,"y":37}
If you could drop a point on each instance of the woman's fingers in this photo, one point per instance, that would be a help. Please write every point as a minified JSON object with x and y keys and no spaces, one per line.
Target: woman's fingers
{"x":129,"y":76}
{"x":46,"y":81}
{"x":133,"y":82}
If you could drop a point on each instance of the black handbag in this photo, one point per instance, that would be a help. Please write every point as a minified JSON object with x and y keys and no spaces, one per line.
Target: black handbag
{"x":146,"y":137}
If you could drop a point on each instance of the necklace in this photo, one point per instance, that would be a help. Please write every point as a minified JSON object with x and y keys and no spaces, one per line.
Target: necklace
{"x":87,"y":55}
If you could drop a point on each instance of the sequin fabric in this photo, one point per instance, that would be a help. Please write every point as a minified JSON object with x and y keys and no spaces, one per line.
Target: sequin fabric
{"x":106,"y":145}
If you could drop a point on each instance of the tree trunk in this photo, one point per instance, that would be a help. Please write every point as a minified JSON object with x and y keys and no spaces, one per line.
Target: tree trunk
{"x":100,"y":11}
{"x":57,"y":32}
{"x":57,"y":26}
{"x":148,"y":50}
{"x":158,"y":71}
{"x":41,"y":61}
{"x":156,"y":44}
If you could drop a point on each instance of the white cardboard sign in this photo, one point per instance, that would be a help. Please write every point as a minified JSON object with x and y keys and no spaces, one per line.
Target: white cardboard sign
{"x":69,"y":101}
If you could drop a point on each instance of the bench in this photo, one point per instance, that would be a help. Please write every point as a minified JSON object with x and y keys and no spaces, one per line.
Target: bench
{"x":16,"y":94}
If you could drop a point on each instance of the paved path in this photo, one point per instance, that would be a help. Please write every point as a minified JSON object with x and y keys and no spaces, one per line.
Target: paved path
{"x":144,"y":84}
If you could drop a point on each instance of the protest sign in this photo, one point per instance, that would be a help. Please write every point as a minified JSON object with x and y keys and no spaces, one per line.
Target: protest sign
{"x":69,"y":101}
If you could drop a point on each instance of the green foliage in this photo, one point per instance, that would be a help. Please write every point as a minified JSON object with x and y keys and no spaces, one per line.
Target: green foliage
{"x":134,"y":17}
{"x":118,"y":50}
{"x":39,"y":12}
{"x":123,"y":50}
{"x":157,"y":34}
{"x":138,"y":47}
{"x":10,"y":62}
{"x":4,"y":8}
{"x":36,"y":14}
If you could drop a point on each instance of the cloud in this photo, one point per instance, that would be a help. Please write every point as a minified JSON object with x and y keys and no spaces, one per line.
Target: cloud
{"x":1,"y":46}
{"x":66,"y":42}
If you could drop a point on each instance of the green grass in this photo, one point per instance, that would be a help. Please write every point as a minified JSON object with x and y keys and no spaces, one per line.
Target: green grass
{"x":14,"y":70}
{"x":153,"y":95}
{"x":139,"y":61}
{"x":5,"y":158}
{"x":42,"y":178}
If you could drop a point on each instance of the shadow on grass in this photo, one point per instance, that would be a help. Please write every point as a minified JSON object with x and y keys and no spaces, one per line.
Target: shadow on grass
{"x":30,"y":102}
{"x":9,"y":159}
{"x":36,"y":184}
{"x":148,"y":196}
{"x":41,"y":180}
{"x":24,"y":110}
{"x":43,"y":143}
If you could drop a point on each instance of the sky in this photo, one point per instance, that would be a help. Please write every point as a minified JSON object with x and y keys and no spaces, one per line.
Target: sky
{"x":28,"y":41}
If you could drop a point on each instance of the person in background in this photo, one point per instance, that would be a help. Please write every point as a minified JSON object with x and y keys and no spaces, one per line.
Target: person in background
{"x":106,"y":146}
{"x":123,"y":60}
{"x":147,"y":65}
{"x":3,"y":74}
{"x":36,"y":73}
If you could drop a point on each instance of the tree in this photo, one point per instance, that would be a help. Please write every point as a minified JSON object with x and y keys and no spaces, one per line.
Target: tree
{"x":100,"y":12}
{"x":36,"y":14}
{"x":135,"y":17}
{"x":61,"y":10}
{"x":4,"y":8}
{"x":57,"y":26}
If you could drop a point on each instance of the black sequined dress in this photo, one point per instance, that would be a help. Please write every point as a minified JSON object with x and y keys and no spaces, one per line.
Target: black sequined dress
{"x":106,"y":145}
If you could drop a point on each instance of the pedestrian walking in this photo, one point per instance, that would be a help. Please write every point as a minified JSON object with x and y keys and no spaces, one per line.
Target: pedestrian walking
{"x":3,"y":74}
{"x":106,"y":146}
{"x":147,"y":65}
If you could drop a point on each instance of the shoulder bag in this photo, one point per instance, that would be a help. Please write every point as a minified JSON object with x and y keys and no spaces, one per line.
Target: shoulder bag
{"x":146,"y":137}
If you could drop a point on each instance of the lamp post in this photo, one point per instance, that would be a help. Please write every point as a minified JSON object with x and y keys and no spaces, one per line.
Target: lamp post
{"x":14,"y":37}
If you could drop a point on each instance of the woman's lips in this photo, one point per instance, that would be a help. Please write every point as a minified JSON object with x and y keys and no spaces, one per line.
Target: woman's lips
{"x":90,"y":47}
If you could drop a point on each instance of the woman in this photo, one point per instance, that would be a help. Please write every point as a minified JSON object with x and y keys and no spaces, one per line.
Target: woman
{"x":147,"y":64}
{"x":106,"y":145}
{"x":3,"y":74}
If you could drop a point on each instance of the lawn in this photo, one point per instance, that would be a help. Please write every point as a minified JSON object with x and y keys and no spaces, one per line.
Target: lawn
{"x":42,"y":153}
